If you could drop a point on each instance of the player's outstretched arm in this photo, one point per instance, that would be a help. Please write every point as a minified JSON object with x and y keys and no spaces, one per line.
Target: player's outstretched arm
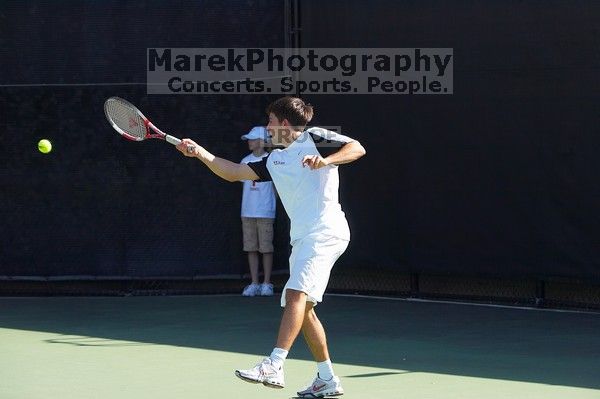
{"x":223,"y":168}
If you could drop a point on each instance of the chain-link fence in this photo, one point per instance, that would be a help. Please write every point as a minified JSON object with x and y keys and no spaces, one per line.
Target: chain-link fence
{"x":534,"y":293}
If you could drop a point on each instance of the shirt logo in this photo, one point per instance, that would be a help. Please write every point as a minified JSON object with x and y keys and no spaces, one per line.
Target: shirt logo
{"x":278,"y":163}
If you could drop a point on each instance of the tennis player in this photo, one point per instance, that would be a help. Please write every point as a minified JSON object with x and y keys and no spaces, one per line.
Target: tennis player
{"x":305,"y":174}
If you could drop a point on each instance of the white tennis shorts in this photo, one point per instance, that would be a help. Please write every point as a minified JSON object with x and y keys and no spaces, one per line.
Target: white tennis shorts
{"x":311,"y":262}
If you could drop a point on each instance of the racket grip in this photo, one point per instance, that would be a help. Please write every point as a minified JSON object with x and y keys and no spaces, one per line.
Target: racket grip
{"x":176,"y":141}
{"x":172,"y":140}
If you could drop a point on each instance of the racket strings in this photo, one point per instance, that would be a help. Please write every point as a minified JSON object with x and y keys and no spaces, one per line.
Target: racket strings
{"x":126,"y":119}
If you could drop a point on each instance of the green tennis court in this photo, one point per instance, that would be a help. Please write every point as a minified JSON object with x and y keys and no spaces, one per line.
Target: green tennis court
{"x":188,"y":347}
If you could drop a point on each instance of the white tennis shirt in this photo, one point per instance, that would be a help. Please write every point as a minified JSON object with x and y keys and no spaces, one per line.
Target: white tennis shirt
{"x":258,"y":198}
{"x":310,"y":197}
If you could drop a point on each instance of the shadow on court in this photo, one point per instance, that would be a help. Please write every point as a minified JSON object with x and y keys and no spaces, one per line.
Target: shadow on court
{"x":509,"y":344}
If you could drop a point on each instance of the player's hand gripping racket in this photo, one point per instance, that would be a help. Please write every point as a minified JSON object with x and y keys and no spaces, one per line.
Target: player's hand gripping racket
{"x":126,"y":119}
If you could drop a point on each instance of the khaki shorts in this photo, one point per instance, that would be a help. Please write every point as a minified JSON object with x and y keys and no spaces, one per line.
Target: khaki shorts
{"x":258,"y":234}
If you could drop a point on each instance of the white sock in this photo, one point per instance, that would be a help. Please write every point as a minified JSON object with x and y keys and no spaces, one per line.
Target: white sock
{"x":278,"y":357}
{"x":325,"y":370}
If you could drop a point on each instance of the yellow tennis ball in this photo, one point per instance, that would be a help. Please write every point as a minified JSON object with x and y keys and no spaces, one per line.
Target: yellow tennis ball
{"x":45,"y":146}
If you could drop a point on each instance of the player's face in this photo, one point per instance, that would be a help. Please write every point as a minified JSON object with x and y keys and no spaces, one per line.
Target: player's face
{"x":278,"y":130}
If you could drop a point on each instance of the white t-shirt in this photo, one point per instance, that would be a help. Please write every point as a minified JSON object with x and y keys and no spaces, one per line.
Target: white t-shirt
{"x":258,"y":198}
{"x":310,"y":197}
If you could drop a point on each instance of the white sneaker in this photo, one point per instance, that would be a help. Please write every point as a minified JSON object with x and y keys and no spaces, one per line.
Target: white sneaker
{"x":321,"y":388}
{"x":251,"y":290}
{"x":263,"y":373}
{"x":266,"y":289}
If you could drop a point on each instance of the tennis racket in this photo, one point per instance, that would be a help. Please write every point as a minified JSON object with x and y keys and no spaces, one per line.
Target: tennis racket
{"x":129,"y":121}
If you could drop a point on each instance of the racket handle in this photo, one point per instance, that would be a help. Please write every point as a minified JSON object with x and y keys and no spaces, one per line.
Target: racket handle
{"x":172,"y":140}
{"x":176,"y":141}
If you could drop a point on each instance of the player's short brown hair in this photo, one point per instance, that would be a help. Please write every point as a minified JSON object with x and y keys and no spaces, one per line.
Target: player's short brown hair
{"x":293,"y":109}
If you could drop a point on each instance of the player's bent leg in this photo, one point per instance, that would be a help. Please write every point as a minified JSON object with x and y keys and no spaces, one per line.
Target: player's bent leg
{"x":314,"y":334}
{"x":270,"y":372}
{"x":292,"y":319}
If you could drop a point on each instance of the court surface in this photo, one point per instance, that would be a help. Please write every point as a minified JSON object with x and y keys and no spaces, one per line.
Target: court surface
{"x":188,"y":347}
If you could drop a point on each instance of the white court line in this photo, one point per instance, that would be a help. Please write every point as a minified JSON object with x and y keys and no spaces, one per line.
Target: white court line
{"x":490,"y":305}
{"x":384,"y":298}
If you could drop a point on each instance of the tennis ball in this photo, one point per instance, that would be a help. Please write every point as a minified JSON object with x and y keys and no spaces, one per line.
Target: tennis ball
{"x":45,"y":146}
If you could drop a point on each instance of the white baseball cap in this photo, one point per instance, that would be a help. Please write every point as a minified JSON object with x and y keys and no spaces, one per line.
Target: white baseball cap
{"x":258,"y":132}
